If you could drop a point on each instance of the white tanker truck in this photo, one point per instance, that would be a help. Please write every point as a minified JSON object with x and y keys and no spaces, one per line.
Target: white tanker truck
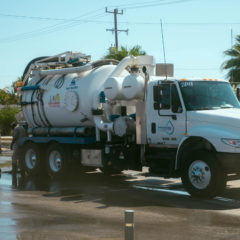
{"x":117,"y":115}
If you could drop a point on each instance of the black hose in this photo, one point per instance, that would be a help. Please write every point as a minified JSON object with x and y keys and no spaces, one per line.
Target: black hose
{"x":29,"y":64}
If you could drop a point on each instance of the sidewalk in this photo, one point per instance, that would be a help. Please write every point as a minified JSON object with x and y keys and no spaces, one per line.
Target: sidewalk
{"x":6,"y":138}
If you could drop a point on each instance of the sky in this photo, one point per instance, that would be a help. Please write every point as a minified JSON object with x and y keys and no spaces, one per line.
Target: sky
{"x":196,"y":32}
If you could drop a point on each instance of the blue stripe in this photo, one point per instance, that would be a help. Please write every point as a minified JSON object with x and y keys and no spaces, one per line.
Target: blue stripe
{"x":28,"y":88}
{"x":67,"y":140}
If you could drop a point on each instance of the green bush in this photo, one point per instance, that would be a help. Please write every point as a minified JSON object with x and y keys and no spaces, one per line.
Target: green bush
{"x":7,"y":116}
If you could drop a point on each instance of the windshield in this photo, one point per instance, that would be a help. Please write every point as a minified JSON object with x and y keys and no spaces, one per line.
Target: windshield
{"x":201,"y":95}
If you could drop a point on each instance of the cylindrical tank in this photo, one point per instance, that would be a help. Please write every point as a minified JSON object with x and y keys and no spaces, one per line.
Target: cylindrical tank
{"x":133,"y":87}
{"x":60,"y":95}
{"x":64,"y":100}
{"x":113,"y":88}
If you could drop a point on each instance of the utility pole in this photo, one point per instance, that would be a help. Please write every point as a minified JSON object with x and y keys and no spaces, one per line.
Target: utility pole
{"x":115,"y":30}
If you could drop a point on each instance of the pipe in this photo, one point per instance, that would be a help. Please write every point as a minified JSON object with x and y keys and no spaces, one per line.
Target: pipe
{"x":101,"y":125}
{"x":85,"y":68}
{"x":97,"y":135}
{"x":127,"y":61}
{"x":131,"y":61}
{"x":109,"y":136}
{"x":107,"y":110}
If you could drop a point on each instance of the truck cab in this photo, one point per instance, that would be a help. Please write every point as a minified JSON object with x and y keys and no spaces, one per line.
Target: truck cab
{"x":193,"y":132}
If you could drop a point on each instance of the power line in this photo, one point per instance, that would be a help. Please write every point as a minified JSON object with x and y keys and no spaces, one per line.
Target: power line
{"x":66,"y":23}
{"x":35,"y":17}
{"x":151,"y":4}
{"x":62,"y":26}
{"x":104,"y":22}
{"x":137,"y":4}
{"x":126,"y":6}
{"x":136,"y":23}
{"x":51,"y":28}
{"x":42,"y":18}
{"x":182,"y":23}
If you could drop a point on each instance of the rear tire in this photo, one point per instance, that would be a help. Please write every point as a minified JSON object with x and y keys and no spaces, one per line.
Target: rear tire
{"x":202,"y":175}
{"x":30,"y":161}
{"x":56,"y":160}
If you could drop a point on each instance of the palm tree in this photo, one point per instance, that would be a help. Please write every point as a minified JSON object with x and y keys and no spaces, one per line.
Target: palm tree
{"x":233,"y":63}
{"x":114,"y":53}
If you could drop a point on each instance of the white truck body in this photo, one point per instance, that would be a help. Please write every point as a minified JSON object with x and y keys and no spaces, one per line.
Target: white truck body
{"x":186,"y":128}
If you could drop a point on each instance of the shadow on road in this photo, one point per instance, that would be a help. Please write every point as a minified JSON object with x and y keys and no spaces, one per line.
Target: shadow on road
{"x":118,"y":190}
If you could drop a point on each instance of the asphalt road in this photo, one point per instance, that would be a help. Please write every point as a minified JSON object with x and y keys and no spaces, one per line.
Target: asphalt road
{"x":91,"y":206}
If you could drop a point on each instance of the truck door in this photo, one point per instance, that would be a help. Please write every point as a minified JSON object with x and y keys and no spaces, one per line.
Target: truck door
{"x":166,"y":118}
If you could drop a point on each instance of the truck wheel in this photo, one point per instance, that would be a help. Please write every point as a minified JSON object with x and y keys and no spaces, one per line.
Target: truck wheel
{"x":202,"y":175}
{"x":56,"y":160}
{"x":31,"y":159}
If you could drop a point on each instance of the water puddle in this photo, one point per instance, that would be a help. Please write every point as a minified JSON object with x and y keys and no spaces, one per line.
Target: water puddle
{"x":5,"y":158}
{"x":6,"y":180}
{"x":5,"y":163}
{"x":162,"y":190}
{"x":7,"y":222}
{"x":5,"y":203}
{"x":183,"y":193}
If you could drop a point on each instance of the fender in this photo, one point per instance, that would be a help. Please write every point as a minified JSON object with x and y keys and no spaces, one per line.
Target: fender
{"x":214,"y":133}
{"x":190,"y":144}
{"x":206,"y":137}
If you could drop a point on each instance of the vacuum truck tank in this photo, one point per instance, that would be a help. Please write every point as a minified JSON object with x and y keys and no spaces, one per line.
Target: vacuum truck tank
{"x":68,"y":91}
{"x":81,"y":111}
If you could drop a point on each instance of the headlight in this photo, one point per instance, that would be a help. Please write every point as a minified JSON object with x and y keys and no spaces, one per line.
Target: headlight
{"x":232,"y":142}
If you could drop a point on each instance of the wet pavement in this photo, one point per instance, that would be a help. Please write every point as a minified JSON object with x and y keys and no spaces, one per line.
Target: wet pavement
{"x":91,"y":205}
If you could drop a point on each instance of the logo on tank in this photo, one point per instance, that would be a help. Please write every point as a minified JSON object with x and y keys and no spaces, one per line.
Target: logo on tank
{"x":54,"y":101}
{"x":59,"y":83}
{"x":72,"y":85}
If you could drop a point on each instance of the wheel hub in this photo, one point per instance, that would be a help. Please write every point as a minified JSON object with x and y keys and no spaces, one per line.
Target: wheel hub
{"x":58,"y":162}
{"x":55,"y":161}
{"x":199,"y":174}
{"x":30,"y":158}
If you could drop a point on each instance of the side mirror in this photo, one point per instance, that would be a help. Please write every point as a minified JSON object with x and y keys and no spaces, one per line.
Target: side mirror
{"x":157,"y":93}
{"x":238,"y":94}
{"x":160,"y":93}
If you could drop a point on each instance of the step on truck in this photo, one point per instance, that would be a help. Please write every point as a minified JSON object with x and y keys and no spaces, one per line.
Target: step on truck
{"x":119,"y":115}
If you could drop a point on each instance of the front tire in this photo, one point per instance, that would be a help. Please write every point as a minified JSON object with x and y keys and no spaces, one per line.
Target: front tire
{"x":202,"y":175}
{"x":56,"y":160}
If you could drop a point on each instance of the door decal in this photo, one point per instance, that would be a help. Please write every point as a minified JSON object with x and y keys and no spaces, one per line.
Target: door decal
{"x":168,"y":128}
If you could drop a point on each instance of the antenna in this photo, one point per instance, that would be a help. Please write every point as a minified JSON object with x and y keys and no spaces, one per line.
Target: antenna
{"x":164,"y":55}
